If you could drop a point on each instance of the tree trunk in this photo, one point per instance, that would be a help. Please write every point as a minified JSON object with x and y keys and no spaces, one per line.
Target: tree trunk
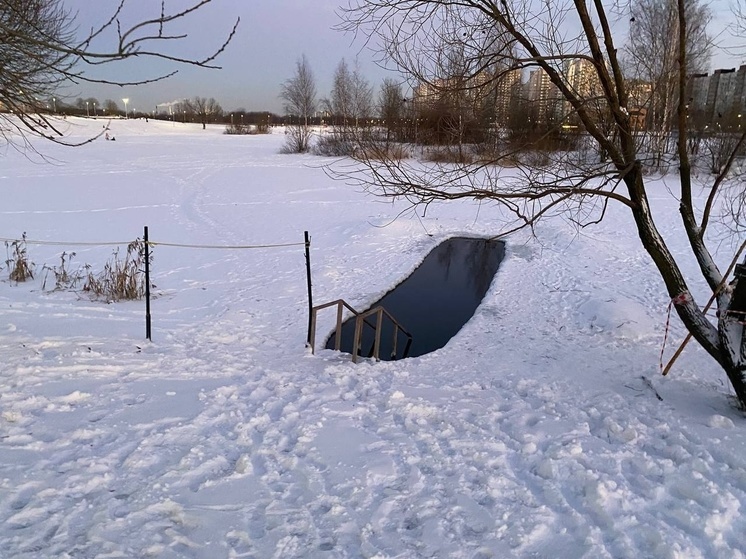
{"x":736,"y":378}
{"x":694,"y":320}
{"x":733,"y":335}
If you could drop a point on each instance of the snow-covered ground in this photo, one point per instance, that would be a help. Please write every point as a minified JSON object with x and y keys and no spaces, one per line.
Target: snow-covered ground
{"x":533,"y":433}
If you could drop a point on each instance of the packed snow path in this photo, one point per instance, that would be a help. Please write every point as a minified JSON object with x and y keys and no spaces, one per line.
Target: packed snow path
{"x":531,"y":434}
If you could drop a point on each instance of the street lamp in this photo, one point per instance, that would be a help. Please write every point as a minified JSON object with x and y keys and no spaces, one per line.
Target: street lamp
{"x":87,"y":111}
{"x":94,"y":110}
{"x":54,"y":104}
{"x":125,"y":100}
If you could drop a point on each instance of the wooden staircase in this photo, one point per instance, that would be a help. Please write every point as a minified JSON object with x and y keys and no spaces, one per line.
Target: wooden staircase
{"x":361,"y":320}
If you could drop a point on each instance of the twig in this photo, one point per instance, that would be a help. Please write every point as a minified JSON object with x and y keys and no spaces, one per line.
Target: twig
{"x":649,"y":384}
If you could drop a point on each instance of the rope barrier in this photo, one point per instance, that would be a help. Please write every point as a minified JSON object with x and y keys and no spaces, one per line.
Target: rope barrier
{"x":148,"y":244}
{"x":151,"y":243}
{"x":63,"y":243}
{"x":234,"y":247}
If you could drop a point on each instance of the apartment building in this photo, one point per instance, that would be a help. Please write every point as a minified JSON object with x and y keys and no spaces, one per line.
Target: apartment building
{"x":715,"y":99}
{"x":720,"y":98}
{"x":542,"y":96}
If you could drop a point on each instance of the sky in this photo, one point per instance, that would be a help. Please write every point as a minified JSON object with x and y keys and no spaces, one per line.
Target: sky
{"x":271,"y":37}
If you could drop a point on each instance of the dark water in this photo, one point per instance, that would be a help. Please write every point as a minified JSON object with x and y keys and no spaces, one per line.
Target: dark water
{"x":434,"y":302}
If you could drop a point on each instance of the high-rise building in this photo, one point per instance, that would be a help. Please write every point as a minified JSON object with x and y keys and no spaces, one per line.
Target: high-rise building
{"x":426,"y":94}
{"x":697,"y":88}
{"x":739,"y":92}
{"x":542,"y":96}
{"x":507,"y":94}
{"x":582,"y":79}
{"x":720,"y":94}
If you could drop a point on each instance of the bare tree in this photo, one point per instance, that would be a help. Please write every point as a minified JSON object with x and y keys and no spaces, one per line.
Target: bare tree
{"x":110,"y":107}
{"x":203,"y":109}
{"x":458,"y":68}
{"x":41,"y":50}
{"x":351,"y":97}
{"x":349,"y":105}
{"x":362,"y":96}
{"x":391,"y":103}
{"x":579,"y":190}
{"x":299,"y":95}
{"x":340,"y":102}
{"x":737,"y":27}
{"x":652,"y":57}
{"x":342,"y":110}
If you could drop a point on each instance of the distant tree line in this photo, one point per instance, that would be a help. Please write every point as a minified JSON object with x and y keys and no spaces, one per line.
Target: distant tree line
{"x":88,"y":106}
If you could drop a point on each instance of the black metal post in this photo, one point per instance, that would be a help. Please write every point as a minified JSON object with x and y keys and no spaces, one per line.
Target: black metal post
{"x":147,"y":285}
{"x":310,"y":291}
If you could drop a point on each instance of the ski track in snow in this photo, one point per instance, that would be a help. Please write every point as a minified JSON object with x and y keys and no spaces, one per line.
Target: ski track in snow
{"x":532,"y":434}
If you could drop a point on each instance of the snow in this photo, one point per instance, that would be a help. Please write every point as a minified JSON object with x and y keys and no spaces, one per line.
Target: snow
{"x":536,"y":432}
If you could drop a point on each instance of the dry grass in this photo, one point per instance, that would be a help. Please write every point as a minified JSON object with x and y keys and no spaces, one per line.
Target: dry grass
{"x":20,"y":268}
{"x":64,"y":276}
{"x":382,"y":151}
{"x":449,"y":155}
{"x":123,"y":278}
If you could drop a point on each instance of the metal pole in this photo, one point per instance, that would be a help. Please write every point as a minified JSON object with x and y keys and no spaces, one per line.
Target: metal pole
{"x":310,"y":291}
{"x":147,"y":285}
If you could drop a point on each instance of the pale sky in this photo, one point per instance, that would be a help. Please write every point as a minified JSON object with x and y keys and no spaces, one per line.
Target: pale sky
{"x":272,"y":35}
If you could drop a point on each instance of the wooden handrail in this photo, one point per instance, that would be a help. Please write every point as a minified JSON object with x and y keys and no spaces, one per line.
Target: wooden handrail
{"x":380,"y":312}
{"x":340,"y":304}
{"x":360,"y":320}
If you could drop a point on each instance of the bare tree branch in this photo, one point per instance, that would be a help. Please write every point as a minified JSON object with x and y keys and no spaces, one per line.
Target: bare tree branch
{"x":40,"y":51}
